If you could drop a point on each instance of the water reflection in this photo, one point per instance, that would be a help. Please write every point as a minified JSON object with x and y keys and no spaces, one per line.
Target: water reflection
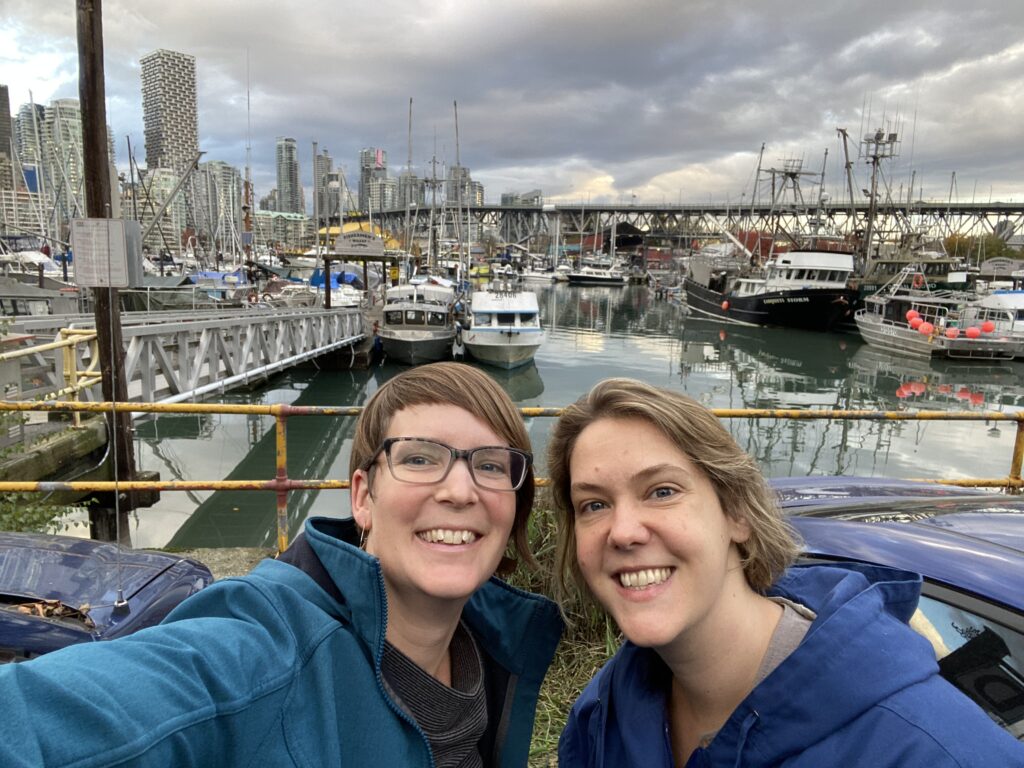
{"x":592,"y":333}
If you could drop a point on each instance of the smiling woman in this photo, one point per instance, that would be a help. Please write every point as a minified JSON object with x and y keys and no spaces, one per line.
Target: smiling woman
{"x":379,"y":640}
{"x":739,"y":657}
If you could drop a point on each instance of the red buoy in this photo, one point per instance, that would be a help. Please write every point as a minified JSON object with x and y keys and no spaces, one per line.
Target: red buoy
{"x":973,"y":332}
{"x":911,"y":314}
{"x":988,"y":326}
{"x":926,"y":329}
{"x":725,"y":306}
{"x":916,"y":321}
{"x":952,"y":333}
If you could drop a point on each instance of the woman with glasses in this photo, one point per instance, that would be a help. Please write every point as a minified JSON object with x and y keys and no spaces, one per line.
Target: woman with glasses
{"x":380,"y":640}
{"x":734,"y":658}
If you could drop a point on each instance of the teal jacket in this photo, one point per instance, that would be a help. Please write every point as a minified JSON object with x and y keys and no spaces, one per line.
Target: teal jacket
{"x":277,"y":668}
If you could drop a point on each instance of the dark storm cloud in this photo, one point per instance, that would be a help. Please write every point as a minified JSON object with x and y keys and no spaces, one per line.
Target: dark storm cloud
{"x":663,"y":100}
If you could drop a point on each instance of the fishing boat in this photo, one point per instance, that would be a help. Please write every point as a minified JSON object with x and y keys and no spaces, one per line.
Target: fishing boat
{"x":907,"y":318}
{"x":418,"y":322}
{"x":597,"y":273}
{"x":796,"y":289}
{"x":504,"y":325}
{"x":1003,"y":309}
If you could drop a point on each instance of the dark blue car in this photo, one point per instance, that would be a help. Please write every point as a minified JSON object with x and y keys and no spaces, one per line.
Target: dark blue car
{"x":968,"y":546}
{"x":57,"y":591}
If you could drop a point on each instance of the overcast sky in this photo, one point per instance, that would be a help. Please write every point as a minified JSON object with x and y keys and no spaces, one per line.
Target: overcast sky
{"x":664,"y":100}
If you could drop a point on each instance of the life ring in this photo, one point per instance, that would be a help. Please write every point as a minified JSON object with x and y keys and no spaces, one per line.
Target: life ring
{"x":919,"y":281}
{"x":253,"y":298}
{"x":267,"y":297}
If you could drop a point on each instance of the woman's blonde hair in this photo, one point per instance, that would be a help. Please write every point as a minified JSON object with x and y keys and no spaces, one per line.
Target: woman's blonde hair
{"x":741,"y":487}
{"x":465,"y":387}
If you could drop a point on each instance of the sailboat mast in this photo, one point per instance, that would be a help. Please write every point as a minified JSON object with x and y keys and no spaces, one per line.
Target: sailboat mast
{"x":247,"y":193}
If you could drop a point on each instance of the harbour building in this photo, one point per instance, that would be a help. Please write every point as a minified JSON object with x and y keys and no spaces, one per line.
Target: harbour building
{"x":289,"y":192}
{"x":169,"y":109}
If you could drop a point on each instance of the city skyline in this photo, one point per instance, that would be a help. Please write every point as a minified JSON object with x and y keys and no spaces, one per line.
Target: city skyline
{"x":589,"y":100}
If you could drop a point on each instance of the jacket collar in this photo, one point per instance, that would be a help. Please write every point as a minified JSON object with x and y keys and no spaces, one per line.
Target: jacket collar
{"x":517,"y":628}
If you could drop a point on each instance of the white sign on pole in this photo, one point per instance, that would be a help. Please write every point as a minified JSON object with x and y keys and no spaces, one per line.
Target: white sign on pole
{"x":101,"y":253}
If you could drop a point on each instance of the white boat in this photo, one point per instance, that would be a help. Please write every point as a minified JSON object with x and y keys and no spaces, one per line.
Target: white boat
{"x":906,"y":318}
{"x":538,"y":276}
{"x":346,"y":295}
{"x":504,"y":326}
{"x":597,"y":273}
{"x":418,"y":323}
{"x":1004,"y":310}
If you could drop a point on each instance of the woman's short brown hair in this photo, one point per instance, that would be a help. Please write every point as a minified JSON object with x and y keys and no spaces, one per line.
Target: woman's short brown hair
{"x":450,"y":384}
{"x":741,"y":487}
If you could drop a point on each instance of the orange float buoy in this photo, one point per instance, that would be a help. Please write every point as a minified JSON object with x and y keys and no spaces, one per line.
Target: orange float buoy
{"x":952,"y":333}
{"x":988,"y":326}
{"x":916,"y":321}
{"x":973,"y":332}
{"x":911,"y":314}
{"x":926,"y":329}
{"x":725,"y":306}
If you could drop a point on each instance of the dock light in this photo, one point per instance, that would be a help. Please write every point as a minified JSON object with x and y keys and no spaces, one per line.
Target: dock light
{"x":911,"y":314}
{"x":988,"y":326}
{"x":952,"y":333}
{"x":916,"y":322}
{"x":973,"y":332}
{"x":925,"y":328}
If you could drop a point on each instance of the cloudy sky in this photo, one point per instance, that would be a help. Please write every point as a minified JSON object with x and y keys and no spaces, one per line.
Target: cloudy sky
{"x":656,"y":101}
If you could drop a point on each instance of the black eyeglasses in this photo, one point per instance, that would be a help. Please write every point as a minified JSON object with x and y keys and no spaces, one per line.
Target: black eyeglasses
{"x":425,"y":462}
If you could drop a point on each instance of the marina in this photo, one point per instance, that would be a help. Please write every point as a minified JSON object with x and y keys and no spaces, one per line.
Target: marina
{"x":592,"y":333}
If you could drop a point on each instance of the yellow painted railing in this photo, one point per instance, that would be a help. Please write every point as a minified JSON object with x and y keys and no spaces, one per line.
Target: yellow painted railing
{"x":283,"y":485}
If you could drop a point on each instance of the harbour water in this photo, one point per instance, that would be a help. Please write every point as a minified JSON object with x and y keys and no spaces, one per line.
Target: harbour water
{"x":594,"y":333}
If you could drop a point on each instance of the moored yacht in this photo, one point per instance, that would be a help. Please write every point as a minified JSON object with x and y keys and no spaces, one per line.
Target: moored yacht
{"x":504,"y":326}
{"x":597,"y":273}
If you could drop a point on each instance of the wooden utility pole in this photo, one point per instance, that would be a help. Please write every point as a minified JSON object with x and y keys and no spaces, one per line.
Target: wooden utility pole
{"x":105,"y":525}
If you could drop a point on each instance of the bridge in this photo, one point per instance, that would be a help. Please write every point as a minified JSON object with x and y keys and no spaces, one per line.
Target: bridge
{"x":540,"y":224}
{"x":178,"y":356}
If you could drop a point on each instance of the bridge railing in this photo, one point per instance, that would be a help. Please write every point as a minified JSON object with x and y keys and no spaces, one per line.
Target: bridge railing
{"x":282,"y":484}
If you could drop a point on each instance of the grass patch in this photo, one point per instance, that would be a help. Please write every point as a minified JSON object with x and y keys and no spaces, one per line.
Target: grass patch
{"x":589,"y":640}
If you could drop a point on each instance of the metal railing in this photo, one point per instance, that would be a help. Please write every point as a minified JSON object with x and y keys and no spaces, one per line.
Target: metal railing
{"x":282,"y":484}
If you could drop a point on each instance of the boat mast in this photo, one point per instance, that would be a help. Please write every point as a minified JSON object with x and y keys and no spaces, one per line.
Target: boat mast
{"x":408,"y":185}
{"x":247,"y":189}
{"x":878,"y":146}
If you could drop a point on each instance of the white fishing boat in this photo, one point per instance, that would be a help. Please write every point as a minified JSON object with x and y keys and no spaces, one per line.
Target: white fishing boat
{"x":504,"y":326}
{"x":906,"y":318}
{"x":418,"y":323}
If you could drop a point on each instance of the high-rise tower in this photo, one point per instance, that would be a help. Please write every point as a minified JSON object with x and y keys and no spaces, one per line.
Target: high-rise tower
{"x":373,"y":168}
{"x":5,"y":122}
{"x":169,"y":110}
{"x":289,"y":193}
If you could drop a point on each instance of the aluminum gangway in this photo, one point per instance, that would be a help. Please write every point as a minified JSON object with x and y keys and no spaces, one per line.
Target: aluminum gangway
{"x":178,"y":356}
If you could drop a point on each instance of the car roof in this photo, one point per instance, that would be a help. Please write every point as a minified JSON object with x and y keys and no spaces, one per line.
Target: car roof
{"x":973,"y":543}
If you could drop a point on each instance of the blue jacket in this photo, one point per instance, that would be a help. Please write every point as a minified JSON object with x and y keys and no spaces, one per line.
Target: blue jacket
{"x":269,"y":670}
{"x":862,"y":689}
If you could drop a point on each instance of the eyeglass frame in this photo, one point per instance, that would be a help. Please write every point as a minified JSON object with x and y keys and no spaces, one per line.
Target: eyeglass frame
{"x":455,"y":454}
